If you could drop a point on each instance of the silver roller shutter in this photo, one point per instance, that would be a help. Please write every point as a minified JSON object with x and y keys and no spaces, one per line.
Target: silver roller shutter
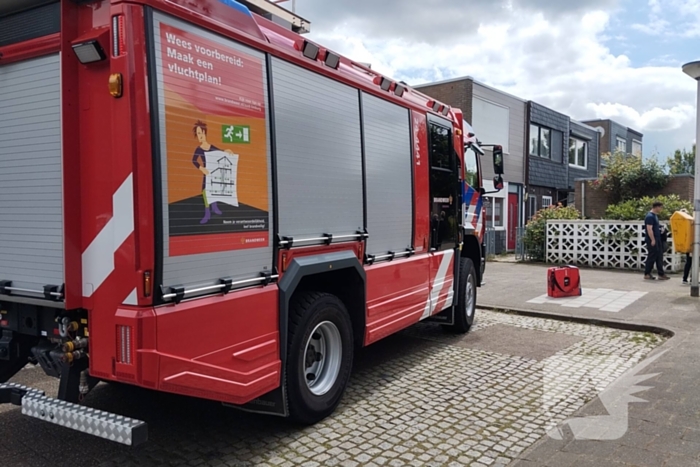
{"x":31,"y":195}
{"x":388,"y":161}
{"x":319,"y":153}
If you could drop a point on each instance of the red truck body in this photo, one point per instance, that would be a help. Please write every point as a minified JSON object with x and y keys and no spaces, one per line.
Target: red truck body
{"x":186,"y":311}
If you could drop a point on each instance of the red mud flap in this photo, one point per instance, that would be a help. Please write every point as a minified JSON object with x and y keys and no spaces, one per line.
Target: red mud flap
{"x":87,"y":420}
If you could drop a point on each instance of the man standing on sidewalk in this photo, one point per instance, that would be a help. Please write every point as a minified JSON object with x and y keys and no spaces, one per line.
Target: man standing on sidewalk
{"x":652,"y":236}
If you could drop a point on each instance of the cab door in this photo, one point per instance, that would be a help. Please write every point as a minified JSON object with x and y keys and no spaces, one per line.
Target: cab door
{"x":444,"y":215}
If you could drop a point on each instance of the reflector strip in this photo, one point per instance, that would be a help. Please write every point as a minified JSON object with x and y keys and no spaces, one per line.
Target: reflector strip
{"x":124,"y":345}
{"x":118,"y":35}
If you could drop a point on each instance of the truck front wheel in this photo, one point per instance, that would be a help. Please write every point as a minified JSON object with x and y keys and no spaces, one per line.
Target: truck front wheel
{"x":319,"y":359}
{"x":466,"y":297}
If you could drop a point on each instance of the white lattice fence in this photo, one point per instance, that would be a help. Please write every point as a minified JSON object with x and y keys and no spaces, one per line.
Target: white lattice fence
{"x":603,"y":244}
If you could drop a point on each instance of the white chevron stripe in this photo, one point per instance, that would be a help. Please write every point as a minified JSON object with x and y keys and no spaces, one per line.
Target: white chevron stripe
{"x":438,"y":284}
{"x":98,"y":258}
{"x":132,"y":299}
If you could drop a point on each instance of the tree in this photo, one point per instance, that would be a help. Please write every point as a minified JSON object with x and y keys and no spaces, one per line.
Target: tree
{"x":627,"y":177}
{"x":682,"y":162}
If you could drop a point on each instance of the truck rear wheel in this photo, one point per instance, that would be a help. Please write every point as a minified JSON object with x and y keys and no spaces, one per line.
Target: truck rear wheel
{"x":466,"y":297}
{"x":320,"y":356}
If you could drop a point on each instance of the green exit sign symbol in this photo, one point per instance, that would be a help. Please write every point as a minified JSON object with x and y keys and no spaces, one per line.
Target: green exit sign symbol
{"x":236,"y":134}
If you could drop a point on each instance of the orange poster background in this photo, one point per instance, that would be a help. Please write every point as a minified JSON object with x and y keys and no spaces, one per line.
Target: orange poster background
{"x":184,"y":180}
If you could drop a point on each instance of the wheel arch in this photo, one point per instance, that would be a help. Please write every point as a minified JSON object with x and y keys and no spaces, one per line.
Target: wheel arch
{"x":472,"y":249}
{"x":340,"y":274}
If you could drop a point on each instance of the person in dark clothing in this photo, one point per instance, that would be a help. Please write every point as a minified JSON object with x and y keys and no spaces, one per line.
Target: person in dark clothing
{"x":652,"y":235}
{"x":686,"y":269}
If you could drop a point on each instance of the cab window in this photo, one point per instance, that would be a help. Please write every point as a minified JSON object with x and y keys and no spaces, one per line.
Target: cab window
{"x":471,"y":169}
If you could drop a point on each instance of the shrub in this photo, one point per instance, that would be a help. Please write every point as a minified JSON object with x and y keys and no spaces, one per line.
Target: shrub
{"x":636,"y":209}
{"x":536,"y":229}
{"x":627,"y":177}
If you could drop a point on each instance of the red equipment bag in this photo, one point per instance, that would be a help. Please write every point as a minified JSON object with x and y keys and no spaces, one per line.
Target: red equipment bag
{"x":563,"y":282}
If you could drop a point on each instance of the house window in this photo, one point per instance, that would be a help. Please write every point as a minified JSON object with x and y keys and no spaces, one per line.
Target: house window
{"x":578,"y":153}
{"x":621,"y":145}
{"x":498,"y":212}
{"x":540,"y":141}
{"x":546,"y":201}
{"x":494,"y":212}
{"x":637,"y":148}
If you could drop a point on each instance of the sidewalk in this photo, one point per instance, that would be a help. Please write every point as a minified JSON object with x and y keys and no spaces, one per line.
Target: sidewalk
{"x":665,"y":431}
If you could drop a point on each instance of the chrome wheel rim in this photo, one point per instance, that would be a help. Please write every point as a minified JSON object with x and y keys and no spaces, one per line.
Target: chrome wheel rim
{"x":471,"y":305}
{"x":322,"y":356}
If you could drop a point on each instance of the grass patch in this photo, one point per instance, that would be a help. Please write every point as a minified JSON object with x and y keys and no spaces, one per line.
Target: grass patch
{"x":647,"y":339}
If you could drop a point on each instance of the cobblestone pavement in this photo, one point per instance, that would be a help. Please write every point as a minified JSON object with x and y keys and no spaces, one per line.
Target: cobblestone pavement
{"x":422,"y":397}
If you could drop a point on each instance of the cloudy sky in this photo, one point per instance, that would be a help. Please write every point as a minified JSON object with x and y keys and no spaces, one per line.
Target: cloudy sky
{"x":618,"y":59}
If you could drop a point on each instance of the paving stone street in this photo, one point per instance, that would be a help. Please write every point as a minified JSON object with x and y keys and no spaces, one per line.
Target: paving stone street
{"x":422,"y":397}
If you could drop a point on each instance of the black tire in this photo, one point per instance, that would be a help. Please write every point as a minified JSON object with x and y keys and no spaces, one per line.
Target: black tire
{"x":307,"y":311}
{"x":466,"y":305}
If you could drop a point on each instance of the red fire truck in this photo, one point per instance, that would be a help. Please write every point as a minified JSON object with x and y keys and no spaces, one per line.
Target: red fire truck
{"x":196,"y":200}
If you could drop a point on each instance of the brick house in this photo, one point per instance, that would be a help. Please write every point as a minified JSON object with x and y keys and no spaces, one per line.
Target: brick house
{"x":497,"y":118}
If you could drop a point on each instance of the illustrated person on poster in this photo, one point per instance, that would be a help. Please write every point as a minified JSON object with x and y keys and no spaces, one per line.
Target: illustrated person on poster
{"x":219,"y":183}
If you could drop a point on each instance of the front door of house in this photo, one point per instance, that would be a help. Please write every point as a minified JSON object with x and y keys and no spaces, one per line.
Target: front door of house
{"x":512,"y":220}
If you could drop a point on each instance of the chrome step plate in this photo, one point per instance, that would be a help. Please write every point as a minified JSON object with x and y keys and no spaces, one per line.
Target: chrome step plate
{"x":112,"y":427}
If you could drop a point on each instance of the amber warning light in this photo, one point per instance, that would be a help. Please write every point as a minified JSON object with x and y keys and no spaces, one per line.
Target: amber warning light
{"x":115,"y":84}
{"x":147,"y":284}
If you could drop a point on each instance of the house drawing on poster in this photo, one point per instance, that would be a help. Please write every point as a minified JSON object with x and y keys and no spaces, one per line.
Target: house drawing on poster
{"x":222,"y":181}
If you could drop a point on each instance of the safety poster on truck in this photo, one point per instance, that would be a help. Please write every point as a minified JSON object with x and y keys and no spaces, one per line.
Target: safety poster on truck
{"x":215,"y":135}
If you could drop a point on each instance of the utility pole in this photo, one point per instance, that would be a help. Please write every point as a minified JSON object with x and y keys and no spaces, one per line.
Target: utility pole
{"x":692,"y":69}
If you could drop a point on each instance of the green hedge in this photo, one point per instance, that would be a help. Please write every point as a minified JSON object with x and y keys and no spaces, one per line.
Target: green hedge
{"x":536,"y":229}
{"x":637,"y":209}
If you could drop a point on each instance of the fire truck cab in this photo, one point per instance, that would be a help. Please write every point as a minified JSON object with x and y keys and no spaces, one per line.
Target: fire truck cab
{"x":195,"y":200}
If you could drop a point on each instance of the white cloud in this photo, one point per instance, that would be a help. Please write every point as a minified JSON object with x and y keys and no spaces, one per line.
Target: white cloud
{"x":528,"y":48}
{"x":672,"y":18}
{"x":655,"y":119}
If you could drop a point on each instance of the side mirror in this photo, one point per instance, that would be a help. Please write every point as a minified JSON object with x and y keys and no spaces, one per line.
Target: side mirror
{"x":498,"y":182}
{"x":498,"y":160}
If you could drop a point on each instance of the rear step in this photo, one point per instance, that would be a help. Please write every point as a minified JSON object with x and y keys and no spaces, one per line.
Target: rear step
{"x":94,"y":422}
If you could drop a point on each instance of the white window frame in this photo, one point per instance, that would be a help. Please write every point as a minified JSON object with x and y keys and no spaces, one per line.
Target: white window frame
{"x":546,"y":201}
{"x":491,"y":211}
{"x":636,"y":141}
{"x":502,"y":225}
{"x":617,"y":144}
{"x":538,"y":153}
{"x":585,"y":158}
